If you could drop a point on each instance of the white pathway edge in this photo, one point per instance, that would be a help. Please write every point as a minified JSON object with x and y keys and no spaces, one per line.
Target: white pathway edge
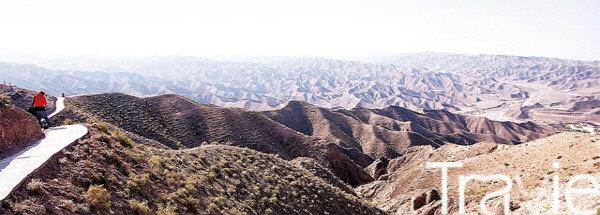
{"x":60,"y":105}
{"x":16,"y":168}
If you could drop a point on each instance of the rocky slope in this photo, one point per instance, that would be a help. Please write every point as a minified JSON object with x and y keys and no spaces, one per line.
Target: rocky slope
{"x":390,"y":131}
{"x":345,"y":141}
{"x":179,"y":123}
{"x":17,"y":128}
{"x":295,"y":159}
{"x":407,"y":181}
{"x":105,"y":172}
{"x":23,"y":98}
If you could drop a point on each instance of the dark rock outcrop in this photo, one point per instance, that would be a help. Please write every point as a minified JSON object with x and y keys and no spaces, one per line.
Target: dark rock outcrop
{"x":17,"y":127}
{"x":425,"y":199}
{"x":378,"y":168}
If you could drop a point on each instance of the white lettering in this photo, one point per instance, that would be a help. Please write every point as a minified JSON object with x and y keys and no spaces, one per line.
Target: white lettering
{"x":463,"y":180}
{"x":555,"y":192}
{"x":571,"y":190}
{"x":463,"y":183}
{"x":444,"y":166}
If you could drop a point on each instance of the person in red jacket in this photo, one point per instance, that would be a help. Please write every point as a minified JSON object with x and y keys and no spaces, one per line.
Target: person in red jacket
{"x":39,"y":104}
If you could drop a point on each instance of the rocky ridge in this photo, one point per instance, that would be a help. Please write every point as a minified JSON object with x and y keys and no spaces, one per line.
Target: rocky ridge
{"x":529,"y":165}
{"x":344,"y":141}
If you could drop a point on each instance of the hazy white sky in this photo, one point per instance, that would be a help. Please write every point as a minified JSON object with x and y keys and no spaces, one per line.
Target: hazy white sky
{"x":565,"y":29}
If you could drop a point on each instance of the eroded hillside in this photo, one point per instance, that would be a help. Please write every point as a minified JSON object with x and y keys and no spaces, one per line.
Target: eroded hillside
{"x":345,"y":141}
{"x":179,"y":123}
{"x":407,"y":183}
{"x":390,"y":131}
{"x":106,"y":172}
{"x":23,"y":98}
{"x":382,"y":151}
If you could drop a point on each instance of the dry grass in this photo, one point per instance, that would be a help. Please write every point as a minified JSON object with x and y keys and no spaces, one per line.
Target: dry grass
{"x":68,"y":122}
{"x":5,"y":100}
{"x":35,"y":185}
{"x":98,"y":197}
{"x":102,"y":175}
{"x":140,"y":208}
{"x":179,"y":123}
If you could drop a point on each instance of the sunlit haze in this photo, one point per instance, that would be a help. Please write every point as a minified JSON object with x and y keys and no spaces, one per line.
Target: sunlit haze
{"x":323,"y":28}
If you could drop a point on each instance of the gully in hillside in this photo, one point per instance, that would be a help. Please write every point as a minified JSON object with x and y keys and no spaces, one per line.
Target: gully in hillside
{"x":39,"y":107}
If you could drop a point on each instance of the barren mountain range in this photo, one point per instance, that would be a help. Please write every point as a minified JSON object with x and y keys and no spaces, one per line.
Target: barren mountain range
{"x":204,"y":159}
{"x":304,"y":136}
{"x":498,"y":87}
{"x":344,"y":140}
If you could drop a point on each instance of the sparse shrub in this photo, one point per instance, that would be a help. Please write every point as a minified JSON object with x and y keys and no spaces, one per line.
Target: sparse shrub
{"x":98,"y":197}
{"x":82,"y":208}
{"x":35,"y":185}
{"x":102,"y":127}
{"x":214,"y":206}
{"x":137,"y":182}
{"x":181,"y":192}
{"x":63,"y":160}
{"x":506,"y":164}
{"x":112,"y":156}
{"x":123,"y":139}
{"x":140,"y":207}
{"x":269,"y":211}
{"x":29,"y":206}
{"x":137,"y":157}
{"x":104,"y":138}
{"x":156,"y":161}
{"x":192,"y":202}
{"x":69,"y":103}
{"x":67,"y":204}
{"x":596,"y":157}
{"x":68,"y":122}
{"x":4,"y":100}
{"x":168,"y":209}
{"x":234,"y":211}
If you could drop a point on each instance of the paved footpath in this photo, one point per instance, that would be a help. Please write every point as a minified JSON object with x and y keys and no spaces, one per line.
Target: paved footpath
{"x":60,"y":105}
{"x":17,"y":167}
